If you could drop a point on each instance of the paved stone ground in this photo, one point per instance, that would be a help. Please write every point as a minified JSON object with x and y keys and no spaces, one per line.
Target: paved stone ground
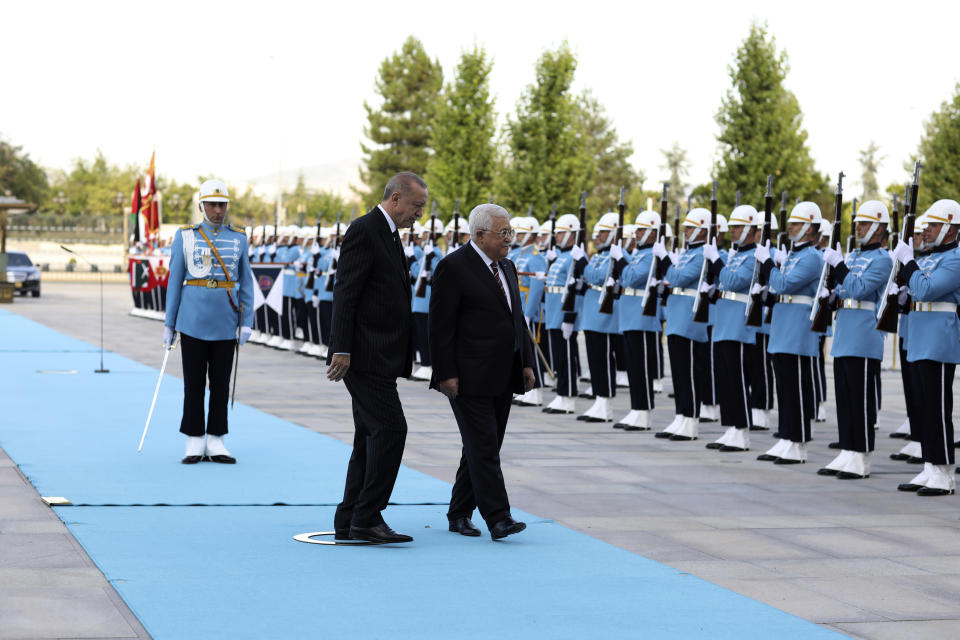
{"x":856,"y":556}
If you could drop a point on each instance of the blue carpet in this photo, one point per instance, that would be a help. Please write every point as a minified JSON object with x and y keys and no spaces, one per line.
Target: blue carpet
{"x":236,"y":572}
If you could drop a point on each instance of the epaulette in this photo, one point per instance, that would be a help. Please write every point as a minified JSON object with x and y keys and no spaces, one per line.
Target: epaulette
{"x":237,"y":229}
{"x":189,"y":226}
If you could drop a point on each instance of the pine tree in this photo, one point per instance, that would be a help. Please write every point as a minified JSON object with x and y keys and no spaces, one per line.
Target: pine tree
{"x":409,"y":83}
{"x":940,"y":153}
{"x":869,"y":164}
{"x":610,"y":167}
{"x":761,"y":130}
{"x":676,"y":162}
{"x":547,"y":160}
{"x":464,"y":152}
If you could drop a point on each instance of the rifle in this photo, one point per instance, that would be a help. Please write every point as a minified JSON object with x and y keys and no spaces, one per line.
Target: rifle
{"x":852,"y":236}
{"x":553,"y":227}
{"x":701,"y":303}
{"x":455,"y":238}
{"x":737,"y":202}
{"x":889,"y":304}
{"x":570,"y":295}
{"x":332,"y":269}
{"x":311,"y":279}
{"x":613,"y":270}
{"x":676,"y":245}
{"x":421,"y":290}
{"x":650,"y":293}
{"x":754,"y":311}
{"x":821,"y":315}
{"x":895,"y":222}
{"x":783,"y":241}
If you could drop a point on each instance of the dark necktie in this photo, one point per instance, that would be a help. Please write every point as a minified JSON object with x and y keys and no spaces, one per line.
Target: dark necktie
{"x":496,"y":276}
{"x":399,"y":245}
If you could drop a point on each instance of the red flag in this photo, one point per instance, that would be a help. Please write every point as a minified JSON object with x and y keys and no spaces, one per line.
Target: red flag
{"x":135,"y":205}
{"x":149,"y":207}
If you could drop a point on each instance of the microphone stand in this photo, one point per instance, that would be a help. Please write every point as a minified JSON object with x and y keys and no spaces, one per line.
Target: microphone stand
{"x":100,"y":274}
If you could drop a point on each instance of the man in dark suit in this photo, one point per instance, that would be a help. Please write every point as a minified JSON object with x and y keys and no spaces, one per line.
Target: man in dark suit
{"x":481,"y":356}
{"x":369,"y":350}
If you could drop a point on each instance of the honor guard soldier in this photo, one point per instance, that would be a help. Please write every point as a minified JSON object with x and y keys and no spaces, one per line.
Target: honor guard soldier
{"x":761,"y":366}
{"x":210,"y":304}
{"x":710,"y":407}
{"x":640,"y":333}
{"x":563,"y":279}
{"x":734,"y":342}
{"x":529,"y":260}
{"x":629,"y":245}
{"x":598,"y":328}
{"x":792,"y":344}
{"x":421,"y":273}
{"x":687,"y":341}
{"x":291,"y":287}
{"x":544,"y":242}
{"x":857,"y":347}
{"x":309,"y":251}
{"x":933,"y":343}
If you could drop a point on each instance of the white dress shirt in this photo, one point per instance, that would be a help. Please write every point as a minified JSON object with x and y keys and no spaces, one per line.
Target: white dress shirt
{"x":503,"y":282}
{"x":393,"y":225}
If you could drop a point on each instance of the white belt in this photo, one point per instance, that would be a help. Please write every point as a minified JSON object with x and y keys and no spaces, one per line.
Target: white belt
{"x":947,"y":307}
{"x":677,"y":291}
{"x":791,"y":299}
{"x":555,"y":289}
{"x":630,"y":291}
{"x":736,"y":297}
{"x":859,"y":304}
{"x":597,"y":287}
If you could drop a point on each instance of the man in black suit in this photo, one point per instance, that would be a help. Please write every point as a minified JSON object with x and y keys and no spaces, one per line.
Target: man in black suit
{"x":481,"y":356}
{"x":369,"y":350}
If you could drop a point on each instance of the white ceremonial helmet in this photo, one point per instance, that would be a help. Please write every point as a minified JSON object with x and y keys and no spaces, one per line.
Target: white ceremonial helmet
{"x":545,"y":228}
{"x":809,"y":214}
{"x":774,"y":225}
{"x":417,"y":228}
{"x":698,"y":218}
{"x":648,"y":222}
{"x":875,"y":212}
{"x":463,"y":226}
{"x":269,"y":230}
{"x":629,"y":230}
{"x":566,"y":224}
{"x":248,"y":231}
{"x":214,"y":191}
{"x":607,"y":222}
{"x":825,"y":228}
{"x":722,"y":226}
{"x":945,"y":212}
{"x":308,"y":232}
{"x":525,"y":228}
{"x":745,"y":216}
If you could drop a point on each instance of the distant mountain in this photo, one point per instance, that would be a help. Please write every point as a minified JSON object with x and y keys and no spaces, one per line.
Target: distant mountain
{"x":335,"y":176}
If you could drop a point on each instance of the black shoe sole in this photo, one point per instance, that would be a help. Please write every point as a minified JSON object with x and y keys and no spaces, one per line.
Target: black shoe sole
{"x":470,"y":533}
{"x":632,"y":428}
{"x":788,"y":461}
{"x":846,"y":475}
{"x":191,"y":459}
{"x":906,"y":486}
{"x":662,"y":434}
{"x":221,"y":459}
{"x":899,"y":456}
{"x":515,"y":528}
{"x":901,"y":436}
{"x":766,"y":457}
{"x":755,"y":428}
{"x":914,"y":460}
{"x":927,"y":491}
{"x":677,"y":438}
{"x":728,"y":449}
{"x":827,"y":472}
{"x":714,"y":445}
{"x":834,"y":445}
{"x":619,"y":425}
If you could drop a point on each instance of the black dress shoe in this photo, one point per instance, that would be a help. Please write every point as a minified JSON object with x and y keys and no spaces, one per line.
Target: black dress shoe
{"x":342,"y":534}
{"x":756,"y":428}
{"x":191,"y":459}
{"x":776,"y":434}
{"x":766,"y":457}
{"x":662,"y":434}
{"x":914,"y":460}
{"x":846,"y":475}
{"x":727,"y":448}
{"x":899,"y":456}
{"x":588,"y":396}
{"x":380,"y":533}
{"x":552,"y":410}
{"x":899,"y":435}
{"x":714,"y":445}
{"x":834,"y":445}
{"x":221,"y":459}
{"x":592,"y":419}
{"x":464,"y":527}
{"x":630,"y":427}
{"x":506,"y":527}
{"x":930,"y":491}
{"x":619,"y":425}
{"x":908,"y":486}
{"x":827,"y":472}
{"x":787,"y":461}
{"x":582,"y":418}
{"x":678,"y":438}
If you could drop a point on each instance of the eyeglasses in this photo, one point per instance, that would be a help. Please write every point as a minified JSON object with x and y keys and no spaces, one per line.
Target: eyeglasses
{"x":506,"y":234}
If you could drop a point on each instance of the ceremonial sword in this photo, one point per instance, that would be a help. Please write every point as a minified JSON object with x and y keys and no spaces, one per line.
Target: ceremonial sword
{"x":236,"y":357}
{"x":163,"y":367}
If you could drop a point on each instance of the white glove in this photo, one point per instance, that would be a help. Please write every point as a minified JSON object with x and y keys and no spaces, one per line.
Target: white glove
{"x":541,"y":276}
{"x":243,"y":334}
{"x":408,"y":251}
{"x":731,"y":253}
{"x":833,"y":256}
{"x":168,"y":335}
{"x":710,"y":251}
{"x":567,"y":330}
{"x":616,"y":252}
{"x":335,"y":254}
{"x":825,"y":293}
{"x":315,"y":300}
{"x":904,"y":293}
{"x":757,"y":289}
{"x":298,"y":265}
{"x":429,"y":247}
{"x":707,"y":288}
{"x":904,"y":251}
{"x":577,"y":252}
{"x":610,"y":282}
{"x":660,"y":249}
{"x":779,"y":256}
{"x":893,"y":289}
{"x":551,"y":255}
{"x":674,"y":257}
{"x":762,"y":254}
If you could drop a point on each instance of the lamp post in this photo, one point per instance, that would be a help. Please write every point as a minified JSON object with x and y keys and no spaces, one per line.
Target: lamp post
{"x":12,"y":206}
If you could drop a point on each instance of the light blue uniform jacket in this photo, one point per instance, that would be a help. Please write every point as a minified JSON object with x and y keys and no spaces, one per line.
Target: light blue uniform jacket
{"x":685,"y":275}
{"x":865,"y":278}
{"x":634,"y":276}
{"x":935,"y":335}
{"x":730,"y":319}
{"x":790,"y":326}
{"x":590,"y":318}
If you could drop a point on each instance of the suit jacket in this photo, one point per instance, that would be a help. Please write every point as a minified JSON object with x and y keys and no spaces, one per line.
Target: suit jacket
{"x":474,"y":336}
{"x":371,"y":300}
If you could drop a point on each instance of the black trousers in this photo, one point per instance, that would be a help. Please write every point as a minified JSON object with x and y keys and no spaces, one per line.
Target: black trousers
{"x":325,"y":316}
{"x":821,"y":374}
{"x":732,"y":360}
{"x":273,"y":322}
{"x":380,"y":431}
{"x":421,"y":337}
{"x":600,"y":359}
{"x":260,"y":318}
{"x":854,"y":382}
{"x":312,"y":333}
{"x":300,"y":316}
{"x":760,"y":373}
{"x":482,"y":421}
{"x":619,"y":351}
{"x":935,"y":385}
{"x":712,"y":395}
{"x":796,"y":395}
{"x":546,"y":344}
{"x":660,"y":373}
{"x":689,"y":360}
{"x":203,"y":360}
{"x":288,"y":320}
{"x":565,"y":358}
{"x":910,"y":393}
{"x":539,"y":372}
{"x":642,"y":357}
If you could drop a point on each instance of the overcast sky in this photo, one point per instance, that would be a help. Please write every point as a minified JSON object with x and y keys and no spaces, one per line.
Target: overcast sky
{"x":237,"y":88}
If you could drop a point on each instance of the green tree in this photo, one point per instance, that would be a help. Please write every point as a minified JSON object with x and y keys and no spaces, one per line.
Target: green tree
{"x":21,"y":176}
{"x":91,"y":186}
{"x":464,"y":152}
{"x":546,"y":159}
{"x":761,"y":130}
{"x":940,"y":153}
{"x":869,"y":164}
{"x":399,"y":129}
{"x":675,"y":161}
{"x":610,"y":166}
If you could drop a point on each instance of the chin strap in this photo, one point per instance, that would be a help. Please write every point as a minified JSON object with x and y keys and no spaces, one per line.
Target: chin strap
{"x":802,"y":233}
{"x":866,"y":239}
